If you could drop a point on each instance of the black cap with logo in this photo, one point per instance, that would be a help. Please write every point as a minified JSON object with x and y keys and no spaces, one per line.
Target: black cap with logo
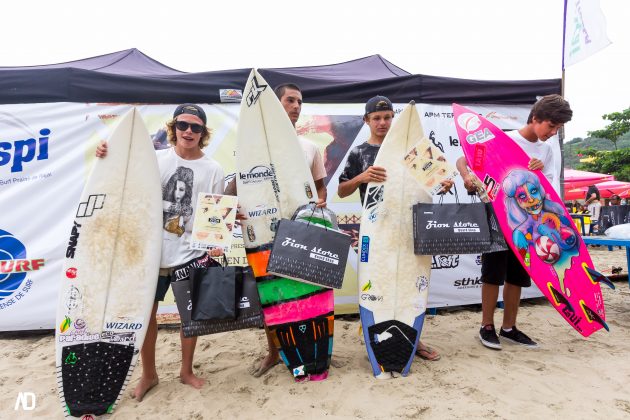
{"x":378,"y":103}
{"x":191,"y":109}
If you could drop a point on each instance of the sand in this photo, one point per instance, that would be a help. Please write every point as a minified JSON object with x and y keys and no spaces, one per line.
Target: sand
{"x":567,"y":377}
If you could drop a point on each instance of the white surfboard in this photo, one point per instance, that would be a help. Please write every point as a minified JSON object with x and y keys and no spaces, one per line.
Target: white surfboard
{"x":393,"y":282}
{"x":273,"y":178}
{"x":110,"y":273}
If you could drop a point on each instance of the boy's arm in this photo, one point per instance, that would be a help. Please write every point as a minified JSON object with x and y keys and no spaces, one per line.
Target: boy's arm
{"x":320,"y":186}
{"x":319,"y":173}
{"x":348,"y":182}
{"x":348,"y":187}
{"x":371,"y":174}
{"x":467,"y":176}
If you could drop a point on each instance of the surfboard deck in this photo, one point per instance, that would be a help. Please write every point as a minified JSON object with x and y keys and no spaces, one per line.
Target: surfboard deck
{"x":109,"y":273}
{"x":273,"y":180}
{"x":534,"y":221}
{"x":393,"y":281}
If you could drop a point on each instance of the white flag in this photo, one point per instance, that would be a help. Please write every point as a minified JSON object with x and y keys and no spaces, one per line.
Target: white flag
{"x":584,"y":30}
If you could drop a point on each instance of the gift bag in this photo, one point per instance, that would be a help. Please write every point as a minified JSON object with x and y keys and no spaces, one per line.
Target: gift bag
{"x":213,"y":293}
{"x":496,"y":235}
{"x":249,"y":310}
{"x":453,"y":228}
{"x":309,"y":253}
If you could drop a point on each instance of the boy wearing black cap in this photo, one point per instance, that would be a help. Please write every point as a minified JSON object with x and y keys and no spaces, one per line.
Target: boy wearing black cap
{"x":185,"y":171}
{"x":360,"y":169}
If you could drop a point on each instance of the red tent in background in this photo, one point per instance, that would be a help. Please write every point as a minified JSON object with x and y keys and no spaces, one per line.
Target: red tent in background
{"x":606,"y":189}
{"x":575,"y":179}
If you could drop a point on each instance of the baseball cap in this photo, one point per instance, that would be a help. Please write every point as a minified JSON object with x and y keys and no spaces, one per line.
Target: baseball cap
{"x":191,"y":109}
{"x":378,"y":103}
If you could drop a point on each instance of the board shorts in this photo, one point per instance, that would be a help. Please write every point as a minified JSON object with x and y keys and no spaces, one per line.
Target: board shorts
{"x":497,"y":267}
{"x":180,"y":272}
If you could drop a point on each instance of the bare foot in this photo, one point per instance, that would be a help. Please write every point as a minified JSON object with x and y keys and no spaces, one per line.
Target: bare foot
{"x":192,"y":380}
{"x":267,"y":363}
{"x":427,"y":353}
{"x":143,"y":387}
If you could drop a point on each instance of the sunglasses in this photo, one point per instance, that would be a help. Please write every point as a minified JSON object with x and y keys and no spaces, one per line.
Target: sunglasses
{"x":183,"y":126}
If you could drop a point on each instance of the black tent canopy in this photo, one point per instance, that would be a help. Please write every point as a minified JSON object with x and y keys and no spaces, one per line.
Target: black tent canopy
{"x":133,"y":77}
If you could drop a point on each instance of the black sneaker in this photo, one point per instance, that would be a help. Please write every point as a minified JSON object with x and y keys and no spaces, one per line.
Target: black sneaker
{"x":488,"y":337}
{"x":518,"y":337}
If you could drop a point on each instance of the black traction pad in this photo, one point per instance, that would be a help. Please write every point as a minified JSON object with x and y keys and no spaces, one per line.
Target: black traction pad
{"x":93,"y":375}
{"x":393,"y":353}
{"x":305,"y":343}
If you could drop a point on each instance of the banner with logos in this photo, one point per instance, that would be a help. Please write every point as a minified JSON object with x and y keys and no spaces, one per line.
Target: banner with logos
{"x":46,"y":151}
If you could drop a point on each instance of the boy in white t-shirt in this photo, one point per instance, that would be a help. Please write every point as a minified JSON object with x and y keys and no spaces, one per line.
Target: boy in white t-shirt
{"x":546,"y":117}
{"x":185,"y":171}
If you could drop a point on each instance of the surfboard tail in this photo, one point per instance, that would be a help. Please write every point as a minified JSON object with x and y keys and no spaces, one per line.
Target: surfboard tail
{"x":597,"y":277}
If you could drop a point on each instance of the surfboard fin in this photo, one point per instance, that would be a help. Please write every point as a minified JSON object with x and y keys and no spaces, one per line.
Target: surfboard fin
{"x":591,"y":315}
{"x":598,"y":277}
{"x":559,"y":297}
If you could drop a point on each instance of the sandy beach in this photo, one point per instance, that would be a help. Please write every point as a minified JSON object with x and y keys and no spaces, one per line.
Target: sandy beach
{"x":567,"y":377}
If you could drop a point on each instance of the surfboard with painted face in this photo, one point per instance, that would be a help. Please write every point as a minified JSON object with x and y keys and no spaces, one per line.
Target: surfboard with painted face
{"x":535,"y":223}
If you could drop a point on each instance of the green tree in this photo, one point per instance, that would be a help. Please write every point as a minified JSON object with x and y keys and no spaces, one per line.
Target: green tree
{"x":616,"y":162}
{"x":619,"y":126}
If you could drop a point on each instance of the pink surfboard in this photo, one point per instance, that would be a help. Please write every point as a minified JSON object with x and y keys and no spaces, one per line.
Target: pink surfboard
{"x":535,"y":223}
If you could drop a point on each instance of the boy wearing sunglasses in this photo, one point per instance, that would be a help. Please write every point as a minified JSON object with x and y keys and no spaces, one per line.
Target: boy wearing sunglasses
{"x":185,"y":171}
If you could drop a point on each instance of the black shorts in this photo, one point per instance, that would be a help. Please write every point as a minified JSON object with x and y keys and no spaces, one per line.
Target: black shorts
{"x":497,"y":267}
{"x":162,"y":287}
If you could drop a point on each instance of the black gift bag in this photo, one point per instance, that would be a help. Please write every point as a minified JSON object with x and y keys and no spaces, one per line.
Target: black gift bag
{"x":213,"y":292}
{"x":309,"y":253}
{"x":249,"y":309}
{"x":496,"y":235}
{"x":453,"y":228}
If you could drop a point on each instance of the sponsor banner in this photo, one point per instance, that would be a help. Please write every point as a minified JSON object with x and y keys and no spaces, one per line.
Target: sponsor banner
{"x":46,"y":152}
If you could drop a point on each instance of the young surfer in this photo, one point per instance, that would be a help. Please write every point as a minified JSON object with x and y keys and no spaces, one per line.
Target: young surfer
{"x":290,"y":97}
{"x":360,"y":169}
{"x":185,"y":171}
{"x":546,"y":117}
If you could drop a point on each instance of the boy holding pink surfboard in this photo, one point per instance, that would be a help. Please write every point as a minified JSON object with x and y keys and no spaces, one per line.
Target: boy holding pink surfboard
{"x":546,"y":117}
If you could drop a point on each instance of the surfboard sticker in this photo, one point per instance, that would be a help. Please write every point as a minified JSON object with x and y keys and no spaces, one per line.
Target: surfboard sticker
{"x":116,"y":236}
{"x":273,"y":181}
{"x":534,"y":221}
{"x":393,"y":281}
